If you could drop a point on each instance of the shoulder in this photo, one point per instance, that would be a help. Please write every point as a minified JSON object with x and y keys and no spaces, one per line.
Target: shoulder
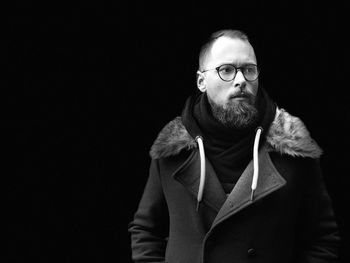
{"x":171,"y":140}
{"x":287,"y":135}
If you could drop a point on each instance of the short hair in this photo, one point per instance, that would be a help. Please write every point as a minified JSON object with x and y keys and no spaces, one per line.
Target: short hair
{"x":206,"y":47}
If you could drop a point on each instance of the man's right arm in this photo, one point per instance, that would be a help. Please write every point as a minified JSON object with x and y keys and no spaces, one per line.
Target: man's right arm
{"x":150,"y":226}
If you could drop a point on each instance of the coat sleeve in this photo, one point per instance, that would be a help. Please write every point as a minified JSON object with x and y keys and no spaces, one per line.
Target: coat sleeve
{"x":318,"y":236}
{"x":149,"y":227}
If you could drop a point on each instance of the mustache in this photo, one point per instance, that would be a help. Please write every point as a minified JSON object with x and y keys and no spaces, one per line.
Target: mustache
{"x":242,"y":94}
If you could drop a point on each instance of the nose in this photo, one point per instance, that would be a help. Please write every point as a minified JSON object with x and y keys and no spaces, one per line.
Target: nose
{"x":239,"y":80}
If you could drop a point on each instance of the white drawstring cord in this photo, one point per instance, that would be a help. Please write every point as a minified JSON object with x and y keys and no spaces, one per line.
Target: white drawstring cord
{"x":255,"y":161}
{"x":199,"y":140}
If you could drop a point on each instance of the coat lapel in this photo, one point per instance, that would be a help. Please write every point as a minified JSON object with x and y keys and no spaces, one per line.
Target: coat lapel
{"x":214,"y":196}
{"x":188,"y":174}
{"x":269,"y":181}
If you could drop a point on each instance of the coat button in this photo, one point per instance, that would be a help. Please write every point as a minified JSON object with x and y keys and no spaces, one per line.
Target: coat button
{"x":251,"y":252}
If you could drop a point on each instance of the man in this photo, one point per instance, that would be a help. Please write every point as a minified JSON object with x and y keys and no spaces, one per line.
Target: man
{"x":235,"y":178}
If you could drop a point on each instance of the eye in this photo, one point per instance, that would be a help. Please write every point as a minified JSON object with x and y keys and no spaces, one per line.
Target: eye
{"x":227,"y":69}
{"x":251,"y":69}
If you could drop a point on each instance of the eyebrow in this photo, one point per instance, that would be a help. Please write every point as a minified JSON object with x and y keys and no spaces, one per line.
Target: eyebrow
{"x":236,"y":65}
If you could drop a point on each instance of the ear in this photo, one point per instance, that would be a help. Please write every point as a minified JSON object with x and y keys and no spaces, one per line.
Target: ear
{"x":201,"y":85}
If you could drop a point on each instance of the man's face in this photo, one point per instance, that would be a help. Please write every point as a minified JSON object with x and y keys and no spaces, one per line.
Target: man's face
{"x":233,"y":102}
{"x":228,"y":51}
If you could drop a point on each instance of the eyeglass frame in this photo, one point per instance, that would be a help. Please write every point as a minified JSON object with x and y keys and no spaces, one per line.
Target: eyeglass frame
{"x":236,"y":69}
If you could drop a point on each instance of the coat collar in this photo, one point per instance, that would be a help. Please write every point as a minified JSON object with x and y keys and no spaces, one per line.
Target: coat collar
{"x":287,"y":135}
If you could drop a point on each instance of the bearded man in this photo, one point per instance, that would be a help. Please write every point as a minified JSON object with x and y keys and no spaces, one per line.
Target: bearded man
{"x":235,"y":178}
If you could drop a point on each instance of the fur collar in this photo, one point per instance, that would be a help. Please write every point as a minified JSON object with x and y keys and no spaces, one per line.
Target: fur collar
{"x":287,"y":135}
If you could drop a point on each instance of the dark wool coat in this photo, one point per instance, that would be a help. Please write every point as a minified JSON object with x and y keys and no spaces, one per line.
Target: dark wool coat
{"x":289,"y":220}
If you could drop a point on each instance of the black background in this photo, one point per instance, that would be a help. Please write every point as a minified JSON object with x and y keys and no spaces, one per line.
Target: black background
{"x":89,"y":85}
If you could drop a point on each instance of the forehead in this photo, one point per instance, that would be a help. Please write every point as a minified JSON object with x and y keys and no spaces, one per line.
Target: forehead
{"x":228,"y":50}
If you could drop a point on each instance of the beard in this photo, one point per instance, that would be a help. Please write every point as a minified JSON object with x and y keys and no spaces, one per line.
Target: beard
{"x":239,"y":114}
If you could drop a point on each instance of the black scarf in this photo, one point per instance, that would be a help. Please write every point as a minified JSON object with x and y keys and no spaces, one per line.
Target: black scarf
{"x":228,"y":149}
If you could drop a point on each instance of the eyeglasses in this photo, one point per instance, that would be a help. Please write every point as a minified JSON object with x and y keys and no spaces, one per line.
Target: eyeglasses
{"x":227,"y":72}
